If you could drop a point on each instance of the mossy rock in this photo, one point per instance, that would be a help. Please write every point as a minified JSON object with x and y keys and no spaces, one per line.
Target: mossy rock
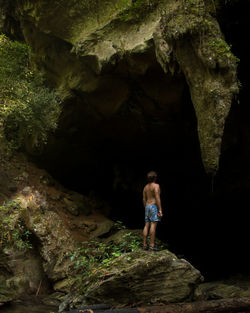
{"x":6,"y":294}
{"x":145,"y":277}
{"x":128,"y":234}
{"x":222,"y":289}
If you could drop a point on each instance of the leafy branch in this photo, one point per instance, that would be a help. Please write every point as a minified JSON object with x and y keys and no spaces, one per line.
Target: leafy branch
{"x":28,"y":109}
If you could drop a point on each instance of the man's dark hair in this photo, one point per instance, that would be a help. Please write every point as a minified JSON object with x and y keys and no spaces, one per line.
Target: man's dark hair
{"x":152,"y":176}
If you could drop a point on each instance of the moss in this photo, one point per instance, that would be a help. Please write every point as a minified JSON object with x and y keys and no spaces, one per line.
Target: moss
{"x":192,"y":17}
{"x":136,"y":10}
{"x":221,"y":50}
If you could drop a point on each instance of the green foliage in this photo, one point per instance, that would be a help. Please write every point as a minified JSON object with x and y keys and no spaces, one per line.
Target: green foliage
{"x":118,"y":225}
{"x":193,"y":17}
{"x":12,"y":231}
{"x":28,"y":109}
{"x":223,"y":50}
{"x":94,"y":257}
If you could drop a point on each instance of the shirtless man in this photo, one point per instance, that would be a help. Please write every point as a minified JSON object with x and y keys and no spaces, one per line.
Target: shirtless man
{"x":153,"y":210}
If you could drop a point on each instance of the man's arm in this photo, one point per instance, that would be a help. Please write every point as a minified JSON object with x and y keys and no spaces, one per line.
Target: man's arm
{"x":144,"y":197}
{"x":158,"y":199}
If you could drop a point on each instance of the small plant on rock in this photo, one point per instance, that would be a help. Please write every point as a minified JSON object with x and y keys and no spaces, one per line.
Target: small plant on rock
{"x":95,"y":257}
{"x":13,"y":233}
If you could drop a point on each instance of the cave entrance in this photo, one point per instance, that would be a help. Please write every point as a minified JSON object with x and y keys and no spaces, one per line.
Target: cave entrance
{"x":135,"y":121}
{"x":110,"y":152}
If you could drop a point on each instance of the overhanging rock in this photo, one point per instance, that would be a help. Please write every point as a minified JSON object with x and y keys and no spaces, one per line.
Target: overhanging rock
{"x":77,"y":44}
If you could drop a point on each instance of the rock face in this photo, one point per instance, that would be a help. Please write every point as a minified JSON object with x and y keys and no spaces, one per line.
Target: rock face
{"x":38,"y":234}
{"x":94,"y":50}
{"x":145,"y":277}
{"x":58,"y":233}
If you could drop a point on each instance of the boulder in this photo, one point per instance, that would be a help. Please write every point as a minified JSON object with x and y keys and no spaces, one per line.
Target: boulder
{"x":20,"y":273}
{"x":144,"y":277}
{"x":236,"y":288}
{"x":59,"y":233}
{"x":25,"y":272}
{"x":6,"y":294}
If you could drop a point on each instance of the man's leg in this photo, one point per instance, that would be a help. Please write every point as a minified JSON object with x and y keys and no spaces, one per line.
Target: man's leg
{"x":145,"y":233}
{"x":152,"y":233}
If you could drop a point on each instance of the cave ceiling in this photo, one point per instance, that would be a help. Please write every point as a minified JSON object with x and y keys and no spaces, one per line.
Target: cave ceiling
{"x":126,"y":65}
{"x":134,"y":77}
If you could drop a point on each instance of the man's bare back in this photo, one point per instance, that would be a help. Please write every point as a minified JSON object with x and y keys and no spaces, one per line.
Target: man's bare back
{"x":151,"y":195}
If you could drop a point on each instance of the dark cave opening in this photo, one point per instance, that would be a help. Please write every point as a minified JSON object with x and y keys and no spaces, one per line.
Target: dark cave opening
{"x":199,"y":219}
{"x":205,"y":221}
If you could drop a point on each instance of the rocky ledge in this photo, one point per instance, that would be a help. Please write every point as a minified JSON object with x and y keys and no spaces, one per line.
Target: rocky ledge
{"x":136,"y":278}
{"x":145,"y":277}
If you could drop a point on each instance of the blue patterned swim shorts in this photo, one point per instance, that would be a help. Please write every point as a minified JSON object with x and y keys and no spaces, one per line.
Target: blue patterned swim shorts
{"x":151,"y":213}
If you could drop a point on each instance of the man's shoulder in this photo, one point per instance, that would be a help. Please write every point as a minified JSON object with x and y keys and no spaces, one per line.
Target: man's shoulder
{"x":156,"y":186}
{"x":150,"y":185}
